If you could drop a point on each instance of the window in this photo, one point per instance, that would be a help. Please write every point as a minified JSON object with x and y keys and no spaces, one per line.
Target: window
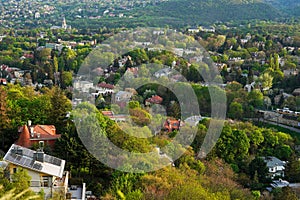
{"x":14,"y":170}
{"x":46,"y":181}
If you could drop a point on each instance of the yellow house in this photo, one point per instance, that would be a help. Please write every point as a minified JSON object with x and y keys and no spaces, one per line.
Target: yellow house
{"x":47,"y":172}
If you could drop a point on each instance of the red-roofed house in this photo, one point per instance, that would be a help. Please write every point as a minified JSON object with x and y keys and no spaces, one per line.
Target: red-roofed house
{"x":108,"y":113}
{"x":30,"y":135}
{"x":172,"y":124}
{"x":134,"y":71}
{"x":104,"y":88}
{"x":154,"y":100}
{"x":3,"y":81}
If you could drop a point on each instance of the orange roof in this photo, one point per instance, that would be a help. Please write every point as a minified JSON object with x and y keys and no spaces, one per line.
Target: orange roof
{"x":155,"y":99}
{"x":133,"y":70}
{"x":31,"y":134}
{"x":172,"y":124}
{"x":24,"y":138}
{"x":45,"y":129}
{"x":107,"y":113}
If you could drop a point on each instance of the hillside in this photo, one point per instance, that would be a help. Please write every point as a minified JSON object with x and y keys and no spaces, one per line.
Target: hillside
{"x":200,"y":11}
{"x":290,"y":8}
{"x":179,"y":13}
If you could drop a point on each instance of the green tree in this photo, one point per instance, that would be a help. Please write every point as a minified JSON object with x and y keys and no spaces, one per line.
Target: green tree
{"x":4,"y":119}
{"x":235,"y":110}
{"x":255,"y":98}
{"x":258,"y":168}
{"x":66,"y":79}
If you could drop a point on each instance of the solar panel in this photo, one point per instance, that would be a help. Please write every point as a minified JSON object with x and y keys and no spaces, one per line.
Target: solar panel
{"x":22,"y":161}
{"x":28,"y":163}
{"x":28,"y":153}
{"x":52,"y":160}
{"x":12,"y":156}
{"x":37,"y":166}
{"x":18,"y":158}
{"x":57,"y":161}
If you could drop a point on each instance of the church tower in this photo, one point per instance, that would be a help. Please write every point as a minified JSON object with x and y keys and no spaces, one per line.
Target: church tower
{"x":64,"y":24}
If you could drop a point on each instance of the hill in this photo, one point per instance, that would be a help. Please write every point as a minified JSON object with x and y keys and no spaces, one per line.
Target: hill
{"x":181,"y":13}
{"x":209,"y":11}
{"x":288,"y":7}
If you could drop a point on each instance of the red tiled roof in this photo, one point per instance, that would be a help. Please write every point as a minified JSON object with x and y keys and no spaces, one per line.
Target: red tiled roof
{"x":172,"y":124}
{"x":40,"y":133}
{"x":106,"y":85}
{"x":133,"y":70}
{"x":155,"y":99}
{"x":27,"y":55}
{"x":107,"y":113}
{"x":24,"y":138}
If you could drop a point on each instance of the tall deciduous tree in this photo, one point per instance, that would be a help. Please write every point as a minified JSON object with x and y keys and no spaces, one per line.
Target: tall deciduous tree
{"x":4,"y":119}
{"x":60,"y":106}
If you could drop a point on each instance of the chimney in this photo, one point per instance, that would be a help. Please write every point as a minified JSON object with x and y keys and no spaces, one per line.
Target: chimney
{"x":31,"y":132}
{"x":41,"y":145}
{"x":29,"y":122}
{"x":39,"y":156}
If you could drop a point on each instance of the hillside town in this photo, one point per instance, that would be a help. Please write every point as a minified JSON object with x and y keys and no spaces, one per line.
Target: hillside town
{"x":64,"y":88}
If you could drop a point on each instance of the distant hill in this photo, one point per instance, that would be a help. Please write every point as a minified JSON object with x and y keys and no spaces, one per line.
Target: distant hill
{"x":288,"y":7}
{"x":180,"y":13}
{"x":197,"y":11}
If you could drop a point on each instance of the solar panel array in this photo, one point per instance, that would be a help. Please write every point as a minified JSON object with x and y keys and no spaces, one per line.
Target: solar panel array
{"x":52,"y":160}
{"x":25,"y":158}
{"x":21,"y":160}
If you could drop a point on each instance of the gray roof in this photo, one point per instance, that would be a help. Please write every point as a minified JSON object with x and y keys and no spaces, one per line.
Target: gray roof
{"x":273,"y":161}
{"x":24,"y":157}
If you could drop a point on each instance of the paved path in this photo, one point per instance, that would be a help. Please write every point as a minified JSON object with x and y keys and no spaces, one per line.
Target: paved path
{"x":294,"y":185}
{"x":281,"y":125}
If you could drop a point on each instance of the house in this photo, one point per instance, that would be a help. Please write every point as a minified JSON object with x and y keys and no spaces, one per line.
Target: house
{"x":76,"y":102}
{"x":32,"y":134}
{"x":172,"y":124}
{"x":158,"y":32}
{"x":154,"y":100}
{"x":112,"y":116}
{"x":283,"y":96}
{"x":193,"y":30}
{"x":280,"y":183}
{"x":290,"y":72}
{"x":296,"y":92}
{"x":104,"y":88}
{"x":193,"y":120}
{"x":163,"y":73}
{"x":276,"y":167}
{"x":98,"y":71}
{"x":122,"y":98}
{"x":134,"y":71}
{"x":108,"y":113}
{"x":3,"y":81}
{"x":77,"y":192}
{"x":208,"y":29}
{"x":249,"y":87}
{"x":54,"y":46}
{"x":83,"y":86}
{"x":46,"y":172}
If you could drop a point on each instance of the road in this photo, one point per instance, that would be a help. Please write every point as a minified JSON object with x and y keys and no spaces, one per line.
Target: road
{"x":281,"y":125}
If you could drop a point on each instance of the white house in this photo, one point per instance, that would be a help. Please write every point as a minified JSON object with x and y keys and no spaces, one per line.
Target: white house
{"x":83,"y":86}
{"x":46,"y":172}
{"x":163,"y":73}
{"x":249,"y":87}
{"x":276,"y":167}
{"x":193,"y":30}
